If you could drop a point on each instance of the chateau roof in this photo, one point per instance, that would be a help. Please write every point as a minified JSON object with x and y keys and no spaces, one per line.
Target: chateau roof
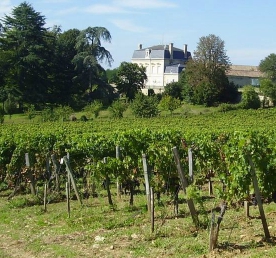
{"x":245,"y":71}
{"x":161,"y":52}
{"x":177,"y":68}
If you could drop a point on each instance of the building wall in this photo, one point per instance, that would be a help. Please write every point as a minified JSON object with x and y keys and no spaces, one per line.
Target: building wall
{"x":170,"y":77}
{"x":243,"y":75}
{"x":154,"y":70}
{"x":241,"y":81}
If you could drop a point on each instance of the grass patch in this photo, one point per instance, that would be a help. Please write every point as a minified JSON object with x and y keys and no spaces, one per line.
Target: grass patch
{"x":96,"y":230}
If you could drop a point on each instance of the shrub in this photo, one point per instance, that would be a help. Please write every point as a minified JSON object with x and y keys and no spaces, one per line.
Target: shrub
{"x":117,"y":109}
{"x":250,"y":98}
{"x":30,"y":112}
{"x":48,"y":115}
{"x":10,"y":105}
{"x":169,"y":103}
{"x":93,"y":109}
{"x":2,"y":115}
{"x":224,"y":107}
{"x":145,"y":106}
{"x":83,"y":118}
{"x":63,"y":113}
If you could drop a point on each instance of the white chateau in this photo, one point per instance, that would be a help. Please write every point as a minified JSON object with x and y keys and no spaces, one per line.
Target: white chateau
{"x":163,"y":63}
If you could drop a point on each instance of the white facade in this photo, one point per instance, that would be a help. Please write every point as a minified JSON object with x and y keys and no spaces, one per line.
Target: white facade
{"x":163,"y":63}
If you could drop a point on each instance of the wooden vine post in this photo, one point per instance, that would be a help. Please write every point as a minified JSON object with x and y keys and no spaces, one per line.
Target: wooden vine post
{"x":118,"y":156}
{"x":191,"y":169}
{"x":147,"y":184}
{"x":258,"y":197}
{"x":68,"y":198}
{"x":45,"y":197}
{"x":30,"y":175}
{"x":184,"y":183}
{"x":48,"y":170}
{"x":56,"y":170}
{"x":246,"y":208}
{"x":152,"y":209}
{"x":214,"y":228}
{"x":70,"y":172}
{"x":107,"y":185}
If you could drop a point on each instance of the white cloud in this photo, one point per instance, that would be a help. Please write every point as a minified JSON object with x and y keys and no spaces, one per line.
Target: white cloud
{"x":5,"y":7}
{"x":145,"y":4}
{"x":127,"y":6}
{"x":104,"y":9}
{"x":128,"y":25}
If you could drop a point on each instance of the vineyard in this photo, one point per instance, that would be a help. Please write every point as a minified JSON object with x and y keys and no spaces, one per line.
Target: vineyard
{"x":106,"y":151}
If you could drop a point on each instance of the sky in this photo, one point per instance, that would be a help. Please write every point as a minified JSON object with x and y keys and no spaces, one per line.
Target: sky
{"x":247,"y":27}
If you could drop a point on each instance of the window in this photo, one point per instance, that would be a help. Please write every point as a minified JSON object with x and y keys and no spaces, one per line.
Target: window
{"x":255,"y":82}
{"x":148,"y":53}
{"x":158,"y":69}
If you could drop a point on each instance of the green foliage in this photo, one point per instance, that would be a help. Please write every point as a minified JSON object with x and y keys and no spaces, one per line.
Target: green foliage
{"x":130,"y":79}
{"x":169,"y":103}
{"x":62,"y":113}
{"x":90,"y":53}
{"x":93,"y":109}
{"x":268,"y":88}
{"x":10,"y":105}
{"x":2,"y":116}
{"x":30,"y":112}
{"x":48,"y":115}
{"x":250,"y":98}
{"x":117,"y":109}
{"x":204,"y":78}
{"x":83,"y":118}
{"x":46,"y":66}
{"x":144,"y":106}
{"x":267,"y":66}
{"x":111,"y":75}
{"x":25,"y":51}
{"x":174,"y":89}
{"x":224,"y":107}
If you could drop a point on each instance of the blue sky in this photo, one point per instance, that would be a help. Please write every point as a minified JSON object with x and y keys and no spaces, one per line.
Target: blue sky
{"x":246,"y":26}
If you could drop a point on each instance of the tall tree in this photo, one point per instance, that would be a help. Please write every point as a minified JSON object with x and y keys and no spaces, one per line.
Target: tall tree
{"x":90,"y":54}
{"x":23,"y":47}
{"x":63,"y":90}
{"x":205,"y":80}
{"x":268,"y":66}
{"x":130,"y":79}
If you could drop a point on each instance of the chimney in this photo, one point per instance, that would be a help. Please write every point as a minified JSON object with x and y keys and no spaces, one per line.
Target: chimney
{"x":185,"y":51}
{"x":139,"y":46}
{"x":171,"y":50}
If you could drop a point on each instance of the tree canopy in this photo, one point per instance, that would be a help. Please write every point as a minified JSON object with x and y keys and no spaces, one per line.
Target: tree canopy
{"x":204,"y":78}
{"x":44,"y":66}
{"x":268,"y":89}
{"x":250,"y":98}
{"x":24,"y":54}
{"x":268,"y":66}
{"x":144,"y":106}
{"x":130,"y":78}
{"x":174,"y":89}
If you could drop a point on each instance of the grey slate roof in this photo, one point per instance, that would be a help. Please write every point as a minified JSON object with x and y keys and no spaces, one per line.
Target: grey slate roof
{"x":174,"y":68}
{"x":160,"y":52}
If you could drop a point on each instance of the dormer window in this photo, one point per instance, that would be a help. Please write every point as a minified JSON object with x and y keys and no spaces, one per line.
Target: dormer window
{"x":148,"y":53}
